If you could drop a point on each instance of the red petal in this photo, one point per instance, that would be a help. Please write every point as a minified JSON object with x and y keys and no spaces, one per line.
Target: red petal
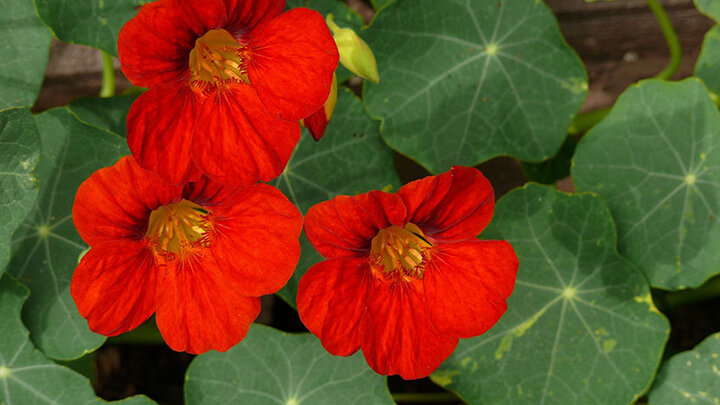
{"x":160,"y":131}
{"x":197,"y":310}
{"x":316,"y":123}
{"x":396,"y":334}
{"x":207,"y":192}
{"x":467,"y":283}
{"x":154,"y":46}
{"x":114,"y":286}
{"x":454,"y":205}
{"x":344,"y":226}
{"x":244,"y":15}
{"x":255,"y":241}
{"x":291,"y":63}
{"x":115,"y":202}
{"x":238,"y":143}
{"x":331,"y":300}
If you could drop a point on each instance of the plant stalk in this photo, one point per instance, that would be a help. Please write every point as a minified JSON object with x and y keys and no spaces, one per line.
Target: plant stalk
{"x":108,"y":75}
{"x":671,"y":38}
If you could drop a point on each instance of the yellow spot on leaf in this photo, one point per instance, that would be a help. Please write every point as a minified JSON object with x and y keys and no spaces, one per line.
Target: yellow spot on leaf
{"x":4,"y":371}
{"x":43,"y":231}
{"x":491,"y":49}
{"x":609,"y":345}
{"x":443,"y":378}
{"x":647,"y":299}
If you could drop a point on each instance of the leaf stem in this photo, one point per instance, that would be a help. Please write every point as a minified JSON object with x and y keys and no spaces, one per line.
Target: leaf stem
{"x":108,"y":75}
{"x":584,"y":121}
{"x":671,"y":38}
{"x":425,"y":397}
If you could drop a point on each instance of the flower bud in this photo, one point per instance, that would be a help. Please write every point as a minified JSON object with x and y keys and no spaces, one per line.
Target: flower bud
{"x":318,"y":121}
{"x":355,"y":54}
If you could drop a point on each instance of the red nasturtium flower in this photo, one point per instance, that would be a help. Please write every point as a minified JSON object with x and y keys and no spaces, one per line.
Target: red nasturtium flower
{"x":199,"y":256}
{"x":228,"y":81}
{"x":405,"y":276}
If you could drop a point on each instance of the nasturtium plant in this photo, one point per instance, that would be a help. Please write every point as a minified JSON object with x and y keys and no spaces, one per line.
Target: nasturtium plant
{"x":477,"y":80}
{"x":655,"y":161}
{"x":47,"y":247}
{"x":580,"y":327}
{"x":19,"y":154}
{"x":223,"y":89}
{"x":690,"y":377}
{"x":23,"y":51}
{"x":272,"y":367}
{"x":26,"y":375}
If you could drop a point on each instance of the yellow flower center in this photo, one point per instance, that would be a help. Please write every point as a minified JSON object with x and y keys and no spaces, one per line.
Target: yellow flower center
{"x":400,"y":252}
{"x":174,"y":229}
{"x":217,"y":59}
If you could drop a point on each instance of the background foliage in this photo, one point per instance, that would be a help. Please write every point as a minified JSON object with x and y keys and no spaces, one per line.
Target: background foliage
{"x":462,"y":81}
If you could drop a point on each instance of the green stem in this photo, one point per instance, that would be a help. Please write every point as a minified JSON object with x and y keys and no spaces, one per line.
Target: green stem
{"x":108,"y":84}
{"x":425,"y":397}
{"x":583,"y":122}
{"x":671,"y":38}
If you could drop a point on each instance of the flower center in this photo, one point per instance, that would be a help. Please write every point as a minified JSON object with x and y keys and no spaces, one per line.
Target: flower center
{"x":176,"y":228}
{"x":400,"y":252}
{"x":217,"y":59}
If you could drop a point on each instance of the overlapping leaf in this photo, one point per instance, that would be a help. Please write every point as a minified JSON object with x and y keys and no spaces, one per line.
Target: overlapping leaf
{"x":94,"y":23}
{"x":691,"y":377}
{"x":350,"y":159}
{"x":105,"y":113}
{"x":48,"y":245}
{"x":24,"y":53}
{"x":580,"y":327}
{"x":19,"y":154}
{"x":655,"y":159}
{"x":272,"y":367}
{"x":467,"y":80}
{"x":28,"y":377}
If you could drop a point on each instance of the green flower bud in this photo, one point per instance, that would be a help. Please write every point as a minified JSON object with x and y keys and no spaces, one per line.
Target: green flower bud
{"x":355,"y":54}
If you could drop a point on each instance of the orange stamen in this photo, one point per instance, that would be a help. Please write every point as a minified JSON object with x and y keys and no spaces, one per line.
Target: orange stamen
{"x":400,"y":253}
{"x":217,"y":59}
{"x":177,"y":229}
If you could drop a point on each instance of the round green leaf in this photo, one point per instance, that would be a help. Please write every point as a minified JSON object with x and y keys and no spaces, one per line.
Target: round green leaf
{"x":691,"y":377}
{"x":272,"y":367}
{"x":350,"y":159}
{"x":19,"y":154}
{"x":580,"y":327}
{"x":47,"y":245}
{"x":28,"y":377}
{"x":707,"y":66}
{"x":94,"y":23}
{"x":24,"y":51}
{"x":464,"y":81}
{"x":655,"y":160}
